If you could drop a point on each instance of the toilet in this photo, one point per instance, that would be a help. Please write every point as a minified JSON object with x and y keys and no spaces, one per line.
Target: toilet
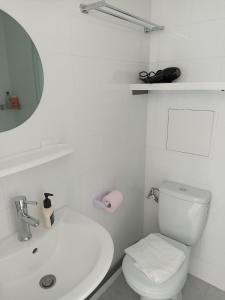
{"x":182,"y":216}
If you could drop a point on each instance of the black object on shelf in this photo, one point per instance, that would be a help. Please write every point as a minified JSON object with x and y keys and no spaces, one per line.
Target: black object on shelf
{"x":167,"y":75}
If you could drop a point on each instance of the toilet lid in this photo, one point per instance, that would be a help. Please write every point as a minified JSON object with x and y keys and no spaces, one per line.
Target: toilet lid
{"x":140,"y":283}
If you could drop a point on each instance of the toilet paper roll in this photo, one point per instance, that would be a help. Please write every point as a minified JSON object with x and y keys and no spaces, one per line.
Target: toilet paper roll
{"x":112,"y":201}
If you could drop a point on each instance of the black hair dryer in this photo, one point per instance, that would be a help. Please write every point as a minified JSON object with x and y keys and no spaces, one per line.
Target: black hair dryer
{"x":167,"y":75}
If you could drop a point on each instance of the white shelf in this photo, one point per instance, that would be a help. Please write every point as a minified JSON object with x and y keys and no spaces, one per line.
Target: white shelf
{"x":33,"y":158}
{"x":181,"y":86}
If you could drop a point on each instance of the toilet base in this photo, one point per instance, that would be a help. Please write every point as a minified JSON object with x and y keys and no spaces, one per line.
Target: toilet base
{"x":177,"y":297}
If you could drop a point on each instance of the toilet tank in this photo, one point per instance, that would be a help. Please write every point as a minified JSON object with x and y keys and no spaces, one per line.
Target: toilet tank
{"x":183,"y":211}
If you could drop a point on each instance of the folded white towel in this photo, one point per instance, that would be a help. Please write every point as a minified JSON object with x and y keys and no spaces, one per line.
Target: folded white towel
{"x":156,"y":258}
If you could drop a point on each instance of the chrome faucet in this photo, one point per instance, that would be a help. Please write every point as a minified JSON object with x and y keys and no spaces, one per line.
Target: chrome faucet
{"x":24,"y":221}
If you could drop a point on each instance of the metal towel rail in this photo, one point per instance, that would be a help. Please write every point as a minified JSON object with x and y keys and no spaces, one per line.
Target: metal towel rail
{"x":101,"y":5}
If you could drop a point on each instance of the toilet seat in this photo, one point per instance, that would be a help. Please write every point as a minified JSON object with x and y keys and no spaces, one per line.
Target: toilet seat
{"x":145,"y":287}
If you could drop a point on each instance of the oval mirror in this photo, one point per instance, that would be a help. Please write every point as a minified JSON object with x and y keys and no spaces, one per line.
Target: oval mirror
{"x":21,"y":74}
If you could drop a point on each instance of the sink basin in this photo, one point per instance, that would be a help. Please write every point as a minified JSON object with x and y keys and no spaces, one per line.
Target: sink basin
{"x":77,"y":251}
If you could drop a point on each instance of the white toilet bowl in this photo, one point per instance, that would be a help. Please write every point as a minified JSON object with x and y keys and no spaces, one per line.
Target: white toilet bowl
{"x":171,"y":289}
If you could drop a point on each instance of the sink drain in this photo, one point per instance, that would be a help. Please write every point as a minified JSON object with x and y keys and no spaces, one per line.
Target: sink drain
{"x":47,"y":281}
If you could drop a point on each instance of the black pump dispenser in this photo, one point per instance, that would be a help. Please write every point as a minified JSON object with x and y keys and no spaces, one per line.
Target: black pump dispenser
{"x":47,"y":202}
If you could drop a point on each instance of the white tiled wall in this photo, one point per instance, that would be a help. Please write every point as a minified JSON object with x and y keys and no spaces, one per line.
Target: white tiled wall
{"x":194,"y":40}
{"x":190,"y":131}
{"x":88,"y":62}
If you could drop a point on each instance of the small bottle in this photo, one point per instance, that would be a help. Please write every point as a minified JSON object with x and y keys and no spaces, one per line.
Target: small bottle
{"x":14,"y":102}
{"x":48,"y":211}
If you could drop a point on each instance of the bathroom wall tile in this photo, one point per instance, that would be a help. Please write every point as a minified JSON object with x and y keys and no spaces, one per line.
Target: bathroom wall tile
{"x":175,"y":42}
{"x":209,"y":10}
{"x":170,"y":13}
{"x":104,"y":73}
{"x":202,"y":45}
{"x":3,"y":204}
{"x":221,"y":71}
{"x":92,"y":42}
{"x":190,"y":131}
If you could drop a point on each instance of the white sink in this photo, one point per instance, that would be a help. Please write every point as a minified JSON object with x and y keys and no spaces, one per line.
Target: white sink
{"x":77,"y":251}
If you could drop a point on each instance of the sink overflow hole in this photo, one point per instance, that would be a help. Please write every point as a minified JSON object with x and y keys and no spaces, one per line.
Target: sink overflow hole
{"x":47,"y":281}
{"x":35,"y":250}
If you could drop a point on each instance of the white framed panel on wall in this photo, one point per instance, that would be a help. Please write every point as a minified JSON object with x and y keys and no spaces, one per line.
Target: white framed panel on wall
{"x":190,"y":131}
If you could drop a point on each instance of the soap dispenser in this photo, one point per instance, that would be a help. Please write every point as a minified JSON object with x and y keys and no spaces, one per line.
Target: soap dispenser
{"x":48,"y":211}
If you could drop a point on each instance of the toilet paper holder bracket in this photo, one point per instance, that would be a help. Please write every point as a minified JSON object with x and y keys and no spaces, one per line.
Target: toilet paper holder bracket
{"x":99,"y":203}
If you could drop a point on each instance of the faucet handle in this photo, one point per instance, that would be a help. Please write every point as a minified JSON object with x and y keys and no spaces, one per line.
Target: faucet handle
{"x":19,"y":199}
{"x":23,"y":199}
{"x":31,"y":202}
{"x":21,"y":203}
